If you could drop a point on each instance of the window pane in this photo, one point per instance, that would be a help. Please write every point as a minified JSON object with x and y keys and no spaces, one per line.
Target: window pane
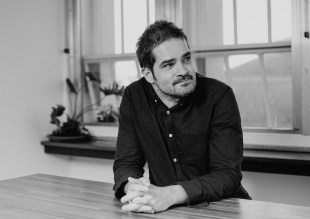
{"x":215,"y":68}
{"x":281,"y":20}
{"x":247,"y":85}
{"x":267,"y":81}
{"x":252,"y":21}
{"x":135,"y":21}
{"x":228,"y":22}
{"x":240,"y":60}
{"x":125,"y":72}
{"x":280,"y":81}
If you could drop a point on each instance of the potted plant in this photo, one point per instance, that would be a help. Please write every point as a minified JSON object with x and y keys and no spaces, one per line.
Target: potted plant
{"x":69,"y":125}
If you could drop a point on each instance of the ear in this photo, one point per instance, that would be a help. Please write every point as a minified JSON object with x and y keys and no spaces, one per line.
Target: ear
{"x":148,"y":75}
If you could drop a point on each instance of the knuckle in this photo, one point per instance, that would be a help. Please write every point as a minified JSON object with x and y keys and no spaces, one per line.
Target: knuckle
{"x":152,"y":202}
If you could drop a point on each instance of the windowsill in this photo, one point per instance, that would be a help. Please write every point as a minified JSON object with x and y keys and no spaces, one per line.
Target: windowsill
{"x":276,"y":142}
{"x":267,"y":159}
{"x":263,"y":152}
{"x":252,"y":140}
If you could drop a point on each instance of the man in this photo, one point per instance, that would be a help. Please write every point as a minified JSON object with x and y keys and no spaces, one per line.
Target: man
{"x":185,"y":126}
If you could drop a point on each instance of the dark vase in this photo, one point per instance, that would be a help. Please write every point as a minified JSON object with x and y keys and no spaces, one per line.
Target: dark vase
{"x":70,"y":128}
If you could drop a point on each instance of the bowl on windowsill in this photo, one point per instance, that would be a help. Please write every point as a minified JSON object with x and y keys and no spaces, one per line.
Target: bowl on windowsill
{"x":70,"y":139}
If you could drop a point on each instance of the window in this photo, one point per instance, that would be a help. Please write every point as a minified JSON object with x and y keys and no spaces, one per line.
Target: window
{"x":128,"y":26}
{"x":249,"y":48}
{"x":245,"y":43}
{"x":110,"y":55}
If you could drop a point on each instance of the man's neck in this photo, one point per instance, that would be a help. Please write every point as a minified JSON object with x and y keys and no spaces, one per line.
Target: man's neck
{"x":168,"y":100}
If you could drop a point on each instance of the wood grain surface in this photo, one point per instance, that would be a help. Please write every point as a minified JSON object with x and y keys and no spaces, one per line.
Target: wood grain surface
{"x":53,"y":197}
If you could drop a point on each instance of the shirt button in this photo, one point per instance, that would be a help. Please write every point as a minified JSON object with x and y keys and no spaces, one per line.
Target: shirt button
{"x":175,"y":160}
{"x":155,"y":101}
{"x":168,"y":112}
{"x":170,"y":135}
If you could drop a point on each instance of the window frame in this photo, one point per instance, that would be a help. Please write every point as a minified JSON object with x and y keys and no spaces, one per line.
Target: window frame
{"x":256,"y":49}
{"x":302,"y":134}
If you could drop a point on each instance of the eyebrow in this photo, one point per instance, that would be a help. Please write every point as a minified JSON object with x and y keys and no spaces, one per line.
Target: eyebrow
{"x":166,"y":62}
{"x":186,"y":54}
{"x":172,"y":60}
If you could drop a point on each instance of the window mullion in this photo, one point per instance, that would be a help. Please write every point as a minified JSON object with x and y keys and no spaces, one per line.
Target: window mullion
{"x":148,"y":12}
{"x":122,"y":26}
{"x":269,"y":21}
{"x":297,"y":17}
{"x":228,"y":72}
{"x":267,"y":94}
{"x":235,"y":23}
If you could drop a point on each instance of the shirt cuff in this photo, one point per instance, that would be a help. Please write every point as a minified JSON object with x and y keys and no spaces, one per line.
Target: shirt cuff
{"x":120,"y":184}
{"x":194,"y":193}
{"x":119,"y":187}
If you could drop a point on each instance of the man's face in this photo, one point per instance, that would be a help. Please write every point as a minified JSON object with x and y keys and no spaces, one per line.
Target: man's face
{"x":174,"y":74}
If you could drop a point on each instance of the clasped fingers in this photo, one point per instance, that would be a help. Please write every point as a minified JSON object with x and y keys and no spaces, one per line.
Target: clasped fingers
{"x":130,"y":196}
{"x":134,"y":207}
{"x":138,"y":187}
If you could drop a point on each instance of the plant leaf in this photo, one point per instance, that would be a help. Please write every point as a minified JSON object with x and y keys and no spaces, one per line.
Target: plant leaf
{"x":56,"y":112}
{"x":113,"y":89}
{"x":71,"y":86}
{"x":91,"y":77}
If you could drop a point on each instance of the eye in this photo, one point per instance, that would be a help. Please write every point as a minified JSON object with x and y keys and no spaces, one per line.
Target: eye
{"x":168,"y":65}
{"x":187,"y":59}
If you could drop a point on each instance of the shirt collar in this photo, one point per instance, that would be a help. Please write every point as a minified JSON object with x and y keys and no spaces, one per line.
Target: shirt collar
{"x":160,"y":107}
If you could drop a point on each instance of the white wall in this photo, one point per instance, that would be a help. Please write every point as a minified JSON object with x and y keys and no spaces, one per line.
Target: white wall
{"x":31,"y":68}
{"x":288,"y":189}
{"x":96,"y":169}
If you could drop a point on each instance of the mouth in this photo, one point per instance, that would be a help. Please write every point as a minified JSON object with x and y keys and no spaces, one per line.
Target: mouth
{"x":183,"y":79}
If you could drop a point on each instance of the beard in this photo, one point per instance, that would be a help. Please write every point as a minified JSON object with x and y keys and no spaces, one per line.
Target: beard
{"x":181,"y":87}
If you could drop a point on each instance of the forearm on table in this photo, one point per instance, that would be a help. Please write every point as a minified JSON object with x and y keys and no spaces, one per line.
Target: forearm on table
{"x":179,"y":196}
{"x":210,"y":187}
{"x":121,"y":180}
{"x":158,"y":198}
{"x":174,"y":193}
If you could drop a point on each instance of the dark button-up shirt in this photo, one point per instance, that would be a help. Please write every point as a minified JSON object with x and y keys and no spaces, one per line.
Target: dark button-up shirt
{"x":197,"y":144}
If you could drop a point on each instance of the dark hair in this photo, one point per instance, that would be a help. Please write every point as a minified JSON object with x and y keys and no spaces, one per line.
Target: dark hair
{"x":154,"y":35}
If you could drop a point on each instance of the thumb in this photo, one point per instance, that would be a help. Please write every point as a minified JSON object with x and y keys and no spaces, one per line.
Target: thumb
{"x":133,"y":180}
{"x":145,"y":181}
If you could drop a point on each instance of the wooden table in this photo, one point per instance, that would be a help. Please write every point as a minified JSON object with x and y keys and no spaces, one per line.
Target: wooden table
{"x":45,"y":196}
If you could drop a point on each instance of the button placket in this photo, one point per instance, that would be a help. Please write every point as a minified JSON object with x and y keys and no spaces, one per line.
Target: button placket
{"x":170,"y":133}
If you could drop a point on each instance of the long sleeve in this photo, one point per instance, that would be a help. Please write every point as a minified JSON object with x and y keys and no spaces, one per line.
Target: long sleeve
{"x":225,"y":155}
{"x":129,"y":159}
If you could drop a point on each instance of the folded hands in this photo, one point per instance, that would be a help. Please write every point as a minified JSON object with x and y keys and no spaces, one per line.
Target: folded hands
{"x":142,"y":196}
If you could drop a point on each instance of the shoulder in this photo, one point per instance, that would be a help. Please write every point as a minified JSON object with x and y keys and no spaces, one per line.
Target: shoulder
{"x":211,"y":86}
{"x":138,"y":93}
{"x":136,"y":87}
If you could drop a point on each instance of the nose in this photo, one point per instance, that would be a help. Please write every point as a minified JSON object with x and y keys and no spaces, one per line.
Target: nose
{"x":182,"y":69}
